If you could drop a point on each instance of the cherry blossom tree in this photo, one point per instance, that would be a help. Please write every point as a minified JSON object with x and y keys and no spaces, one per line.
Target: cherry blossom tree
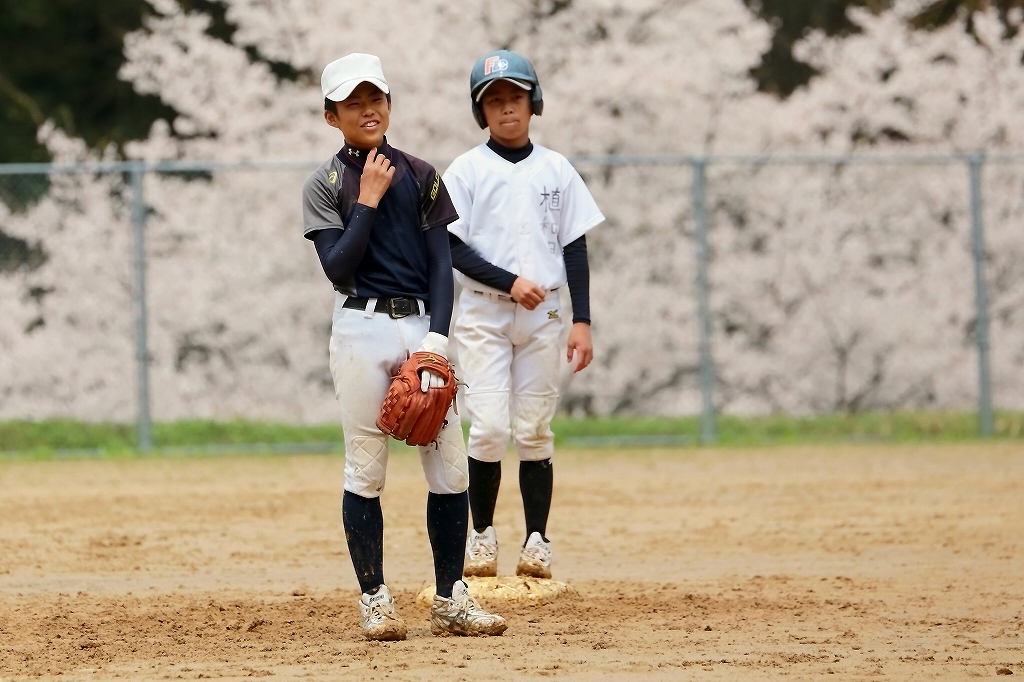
{"x":834,"y":287}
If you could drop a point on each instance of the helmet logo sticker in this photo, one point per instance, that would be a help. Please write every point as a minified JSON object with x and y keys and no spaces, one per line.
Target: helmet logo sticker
{"x":492,"y":64}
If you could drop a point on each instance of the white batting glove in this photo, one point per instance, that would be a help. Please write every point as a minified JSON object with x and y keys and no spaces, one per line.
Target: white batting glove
{"x":438,"y":345}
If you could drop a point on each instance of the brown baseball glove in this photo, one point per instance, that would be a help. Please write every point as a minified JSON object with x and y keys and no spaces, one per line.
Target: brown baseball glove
{"x":409,"y":413}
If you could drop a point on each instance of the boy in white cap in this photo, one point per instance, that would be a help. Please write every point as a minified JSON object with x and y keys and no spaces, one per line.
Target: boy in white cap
{"x":523,"y":213}
{"x":377,"y":217}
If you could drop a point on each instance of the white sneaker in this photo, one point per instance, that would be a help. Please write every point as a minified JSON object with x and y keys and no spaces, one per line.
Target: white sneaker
{"x":380,"y":621}
{"x":482,"y":553}
{"x":461,"y":615}
{"x":535,"y":559}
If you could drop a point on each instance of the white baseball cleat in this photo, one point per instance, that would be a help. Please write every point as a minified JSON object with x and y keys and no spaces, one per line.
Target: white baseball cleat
{"x":482,"y":553}
{"x":535,"y":559}
{"x":380,"y":621}
{"x":462,"y":615}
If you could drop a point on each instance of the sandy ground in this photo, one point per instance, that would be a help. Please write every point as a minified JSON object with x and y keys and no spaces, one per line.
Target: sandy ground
{"x":859,"y":562}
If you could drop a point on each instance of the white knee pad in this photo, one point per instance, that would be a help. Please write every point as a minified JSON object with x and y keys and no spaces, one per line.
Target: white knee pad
{"x":532,"y":426}
{"x":366,"y":465}
{"x":445,"y":462}
{"x":489,"y":429}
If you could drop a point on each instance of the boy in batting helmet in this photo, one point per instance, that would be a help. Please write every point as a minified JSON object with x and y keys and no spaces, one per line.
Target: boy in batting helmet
{"x":377,"y":217}
{"x":523,"y":213}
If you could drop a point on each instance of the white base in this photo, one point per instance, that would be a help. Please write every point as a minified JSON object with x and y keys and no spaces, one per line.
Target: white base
{"x":506,"y":589}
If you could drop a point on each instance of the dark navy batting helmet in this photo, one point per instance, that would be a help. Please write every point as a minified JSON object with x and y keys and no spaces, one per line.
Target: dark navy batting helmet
{"x":503,"y":65}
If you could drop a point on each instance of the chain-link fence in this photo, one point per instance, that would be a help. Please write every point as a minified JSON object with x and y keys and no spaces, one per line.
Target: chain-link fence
{"x":749,"y":284}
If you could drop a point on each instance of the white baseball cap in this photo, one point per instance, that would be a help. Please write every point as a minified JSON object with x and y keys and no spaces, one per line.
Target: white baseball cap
{"x":513,"y":81}
{"x":342,"y":76}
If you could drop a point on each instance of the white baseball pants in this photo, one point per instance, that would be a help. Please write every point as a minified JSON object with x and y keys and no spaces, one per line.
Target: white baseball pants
{"x":509,"y":357}
{"x":367,"y":349}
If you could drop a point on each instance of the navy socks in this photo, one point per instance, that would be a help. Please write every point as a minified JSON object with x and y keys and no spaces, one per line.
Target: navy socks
{"x":447,"y":518}
{"x":536,"y":480}
{"x":364,"y":531}
{"x":484,"y":480}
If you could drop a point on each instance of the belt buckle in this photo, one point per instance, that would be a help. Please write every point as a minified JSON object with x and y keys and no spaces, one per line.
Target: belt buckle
{"x":396,"y":312}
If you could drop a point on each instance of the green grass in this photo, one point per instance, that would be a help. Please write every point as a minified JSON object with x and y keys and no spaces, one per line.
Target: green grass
{"x":49,"y":437}
{"x":61,"y":434}
{"x":786,"y":429}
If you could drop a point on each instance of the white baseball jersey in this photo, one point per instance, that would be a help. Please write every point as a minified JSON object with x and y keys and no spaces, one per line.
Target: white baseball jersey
{"x":519,"y":216}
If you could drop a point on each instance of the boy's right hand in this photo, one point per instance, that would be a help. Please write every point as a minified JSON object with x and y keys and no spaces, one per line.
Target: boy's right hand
{"x":376,"y":179}
{"x":527,"y":294}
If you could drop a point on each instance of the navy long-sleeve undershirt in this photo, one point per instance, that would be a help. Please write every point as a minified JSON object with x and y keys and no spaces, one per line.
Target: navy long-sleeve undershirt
{"x":577,"y":274}
{"x":577,"y":270}
{"x":341,"y":251}
{"x":442,"y":284}
{"x":470,"y":263}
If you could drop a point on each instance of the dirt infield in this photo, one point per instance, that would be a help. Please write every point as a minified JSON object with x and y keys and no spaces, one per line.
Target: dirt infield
{"x":861,"y":561}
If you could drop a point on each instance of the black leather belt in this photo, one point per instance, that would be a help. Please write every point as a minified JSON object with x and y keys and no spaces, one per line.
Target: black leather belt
{"x":397,"y":307}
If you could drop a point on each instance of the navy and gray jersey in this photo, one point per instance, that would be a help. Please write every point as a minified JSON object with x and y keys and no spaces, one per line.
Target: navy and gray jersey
{"x":396,"y":259}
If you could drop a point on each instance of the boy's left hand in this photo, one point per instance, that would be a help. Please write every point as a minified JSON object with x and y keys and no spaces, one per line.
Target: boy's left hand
{"x":579,"y":341}
{"x":437,"y":344}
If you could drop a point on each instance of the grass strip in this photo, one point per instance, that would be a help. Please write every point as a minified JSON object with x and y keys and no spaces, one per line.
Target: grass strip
{"x":62,"y":436}
{"x":788,"y":429}
{"x":66,"y":434}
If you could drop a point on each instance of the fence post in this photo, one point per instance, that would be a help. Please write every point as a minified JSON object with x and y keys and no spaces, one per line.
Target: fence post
{"x":707,"y":369}
{"x":144,"y":425}
{"x":981,"y":325}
